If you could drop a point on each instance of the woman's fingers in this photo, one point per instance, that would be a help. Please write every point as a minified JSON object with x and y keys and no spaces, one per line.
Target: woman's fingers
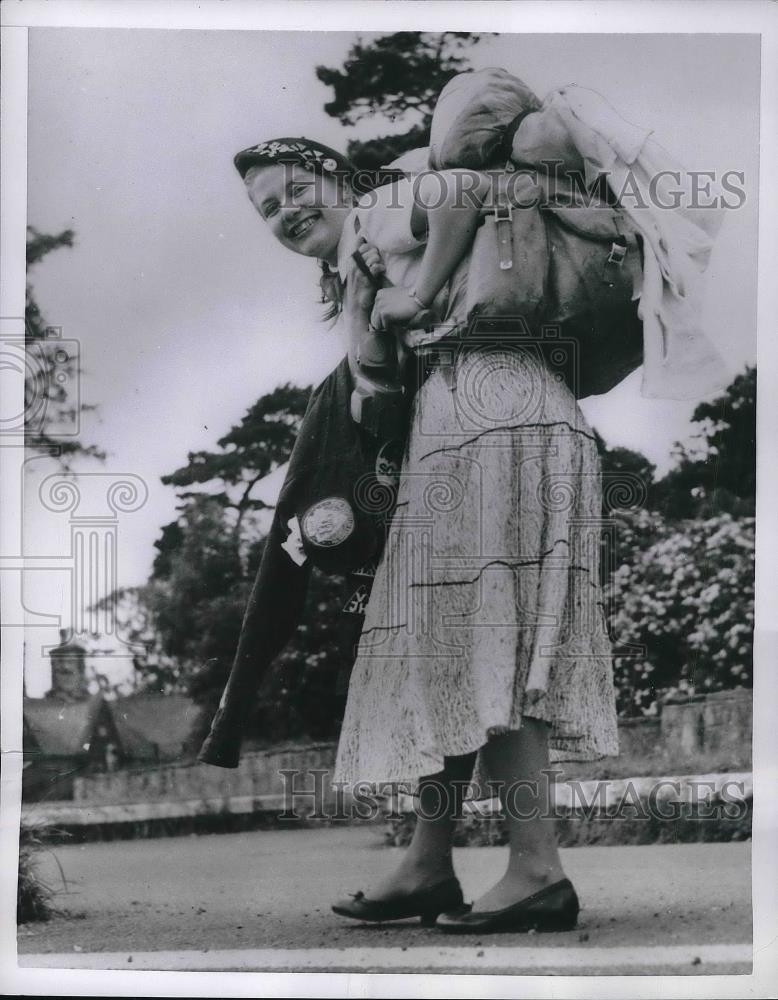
{"x":369,"y":259}
{"x":372,"y":258}
{"x":375,"y":317}
{"x":371,"y":255}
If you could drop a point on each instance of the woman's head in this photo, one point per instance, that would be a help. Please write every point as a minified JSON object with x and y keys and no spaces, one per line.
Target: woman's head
{"x":302,"y":191}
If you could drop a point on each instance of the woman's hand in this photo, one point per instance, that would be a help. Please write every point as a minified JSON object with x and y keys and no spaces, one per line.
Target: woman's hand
{"x":361,"y":290}
{"x":393,"y":306}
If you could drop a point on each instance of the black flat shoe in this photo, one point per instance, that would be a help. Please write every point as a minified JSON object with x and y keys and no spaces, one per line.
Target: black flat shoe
{"x":554,"y":908}
{"x":426,"y":903}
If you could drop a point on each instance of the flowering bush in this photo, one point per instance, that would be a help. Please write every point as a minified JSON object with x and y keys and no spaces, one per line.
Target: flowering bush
{"x":681,"y":607}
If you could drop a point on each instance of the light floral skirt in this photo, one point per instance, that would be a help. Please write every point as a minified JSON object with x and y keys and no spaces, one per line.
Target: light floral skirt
{"x":486,"y":605}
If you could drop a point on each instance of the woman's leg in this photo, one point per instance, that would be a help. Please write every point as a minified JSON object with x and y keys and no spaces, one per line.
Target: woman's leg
{"x":427,"y":859}
{"x":516,"y":761}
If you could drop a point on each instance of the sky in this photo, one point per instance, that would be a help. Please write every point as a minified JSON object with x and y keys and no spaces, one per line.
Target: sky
{"x":184,"y":307}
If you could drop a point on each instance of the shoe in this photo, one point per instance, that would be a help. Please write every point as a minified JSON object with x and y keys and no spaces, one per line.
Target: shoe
{"x":554,"y":908}
{"x":426,"y":903}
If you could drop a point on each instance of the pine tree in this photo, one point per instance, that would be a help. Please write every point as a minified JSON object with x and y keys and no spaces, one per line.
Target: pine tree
{"x":397,"y":77}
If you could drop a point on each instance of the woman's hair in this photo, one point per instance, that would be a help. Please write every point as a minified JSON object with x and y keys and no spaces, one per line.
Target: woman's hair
{"x":331,"y":291}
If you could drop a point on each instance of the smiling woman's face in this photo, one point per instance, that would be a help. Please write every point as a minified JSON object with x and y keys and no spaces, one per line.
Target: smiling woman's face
{"x":305,"y":211}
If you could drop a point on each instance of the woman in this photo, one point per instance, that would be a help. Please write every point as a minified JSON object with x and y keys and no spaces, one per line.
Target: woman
{"x":484,"y":642}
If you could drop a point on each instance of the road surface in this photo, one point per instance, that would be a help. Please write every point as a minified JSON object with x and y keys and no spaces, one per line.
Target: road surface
{"x":261,"y":901}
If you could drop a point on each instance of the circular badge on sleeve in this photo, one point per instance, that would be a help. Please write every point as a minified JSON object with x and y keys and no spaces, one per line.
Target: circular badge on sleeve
{"x":328,"y":522}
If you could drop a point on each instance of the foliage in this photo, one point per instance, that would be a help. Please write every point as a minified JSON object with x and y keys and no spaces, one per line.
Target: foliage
{"x":682,"y":596}
{"x":49,"y":370}
{"x":627,"y":476}
{"x":34,"y":897}
{"x":715,"y":470}
{"x":249,"y":452}
{"x":154,"y":671}
{"x":396,"y":76}
{"x":197,"y":606}
{"x":679,"y":579}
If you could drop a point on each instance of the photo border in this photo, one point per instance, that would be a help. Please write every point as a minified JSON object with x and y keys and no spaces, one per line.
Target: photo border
{"x":619,"y":16}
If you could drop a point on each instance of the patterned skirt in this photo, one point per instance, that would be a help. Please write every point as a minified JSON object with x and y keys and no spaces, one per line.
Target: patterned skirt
{"x":486,"y":606}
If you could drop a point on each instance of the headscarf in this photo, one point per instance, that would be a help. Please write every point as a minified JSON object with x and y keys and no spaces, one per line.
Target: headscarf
{"x":315,"y":156}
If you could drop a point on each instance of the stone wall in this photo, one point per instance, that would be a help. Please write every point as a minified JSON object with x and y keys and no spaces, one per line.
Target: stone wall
{"x":258,"y":776}
{"x":640,"y":737}
{"x":718,"y":725}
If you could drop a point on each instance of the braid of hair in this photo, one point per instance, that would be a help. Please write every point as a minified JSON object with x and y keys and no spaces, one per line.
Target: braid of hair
{"x":331,"y":291}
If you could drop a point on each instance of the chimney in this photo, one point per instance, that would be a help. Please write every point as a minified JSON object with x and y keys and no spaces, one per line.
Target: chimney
{"x":68,"y":670}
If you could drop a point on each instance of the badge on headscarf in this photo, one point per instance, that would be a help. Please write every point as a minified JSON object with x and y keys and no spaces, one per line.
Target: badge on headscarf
{"x":328,"y":522}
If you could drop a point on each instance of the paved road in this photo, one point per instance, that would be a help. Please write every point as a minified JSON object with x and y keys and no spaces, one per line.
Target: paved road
{"x":261,"y":900}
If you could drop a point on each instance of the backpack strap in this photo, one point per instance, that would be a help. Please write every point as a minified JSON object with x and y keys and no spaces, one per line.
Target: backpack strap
{"x":503,"y":218}
{"x":600,"y":224}
{"x":506,"y":144}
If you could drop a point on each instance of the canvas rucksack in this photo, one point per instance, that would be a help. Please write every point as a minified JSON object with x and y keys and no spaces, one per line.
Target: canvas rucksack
{"x":549,"y":251}
{"x":569,"y":271}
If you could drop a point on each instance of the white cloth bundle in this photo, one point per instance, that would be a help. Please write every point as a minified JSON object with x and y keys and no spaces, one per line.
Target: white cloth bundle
{"x":679,"y":362}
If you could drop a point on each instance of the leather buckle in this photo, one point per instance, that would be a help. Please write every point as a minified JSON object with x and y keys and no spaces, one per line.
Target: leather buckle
{"x":618,"y":251}
{"x":503,"y":213}
{"x":503,"y":218}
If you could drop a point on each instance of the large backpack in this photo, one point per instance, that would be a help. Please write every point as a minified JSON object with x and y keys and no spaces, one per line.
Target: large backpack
{"x":567,"y":274}
{"x":550,"y":254}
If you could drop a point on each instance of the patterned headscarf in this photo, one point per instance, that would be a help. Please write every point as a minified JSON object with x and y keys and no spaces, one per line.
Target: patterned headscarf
{"x":314,"y":155}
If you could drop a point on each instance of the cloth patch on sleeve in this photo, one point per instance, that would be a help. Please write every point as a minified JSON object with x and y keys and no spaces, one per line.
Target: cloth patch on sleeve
{"x":357,"y":603}
{"x":294,"y":543}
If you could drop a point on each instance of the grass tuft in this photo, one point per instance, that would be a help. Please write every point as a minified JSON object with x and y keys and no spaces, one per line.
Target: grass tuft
{"x":34,"y":896}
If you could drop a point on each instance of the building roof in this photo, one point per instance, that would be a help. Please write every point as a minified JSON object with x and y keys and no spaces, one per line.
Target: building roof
{"x":61,"y":729}
{"x":135,"y":746}
{"x":165,"y":720}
